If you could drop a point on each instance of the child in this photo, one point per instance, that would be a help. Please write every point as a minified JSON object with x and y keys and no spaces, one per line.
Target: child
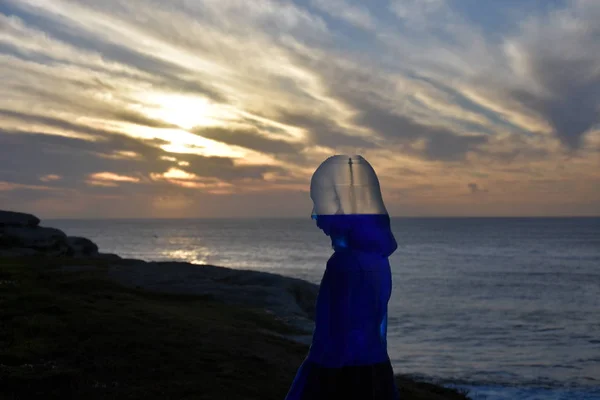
{"x":348,"y":357}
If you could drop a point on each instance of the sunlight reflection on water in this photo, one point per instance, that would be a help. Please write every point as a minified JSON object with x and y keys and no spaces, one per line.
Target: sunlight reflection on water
{"x":200,"y":256}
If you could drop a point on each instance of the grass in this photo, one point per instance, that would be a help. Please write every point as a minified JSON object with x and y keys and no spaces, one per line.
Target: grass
{"x":79,"y":335}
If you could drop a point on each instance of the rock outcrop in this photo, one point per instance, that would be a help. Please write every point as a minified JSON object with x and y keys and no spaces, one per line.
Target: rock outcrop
{"x":11,"y":218}
{"x":21,"y":235}
{"x":82,"y":246}
{"x":49,"y":241}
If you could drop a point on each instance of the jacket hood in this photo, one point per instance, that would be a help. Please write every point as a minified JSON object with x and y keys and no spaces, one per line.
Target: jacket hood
{"x":349,"y":207}
{"x":344,"y":185}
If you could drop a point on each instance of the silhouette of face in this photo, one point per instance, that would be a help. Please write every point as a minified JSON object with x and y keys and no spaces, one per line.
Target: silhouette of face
{"x":318,"y":221}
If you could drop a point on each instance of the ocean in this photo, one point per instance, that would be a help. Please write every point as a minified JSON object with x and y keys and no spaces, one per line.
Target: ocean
{"x":508,"y":308}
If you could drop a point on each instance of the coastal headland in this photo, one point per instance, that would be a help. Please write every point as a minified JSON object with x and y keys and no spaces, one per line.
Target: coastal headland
{"x":77,"y":323}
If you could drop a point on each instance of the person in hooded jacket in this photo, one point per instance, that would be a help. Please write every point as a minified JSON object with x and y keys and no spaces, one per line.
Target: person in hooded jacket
{"x":348,"y":356}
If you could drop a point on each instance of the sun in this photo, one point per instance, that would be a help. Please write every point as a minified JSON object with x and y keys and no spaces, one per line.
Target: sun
{"x":190,"y":114}
{"x":186,"y":111}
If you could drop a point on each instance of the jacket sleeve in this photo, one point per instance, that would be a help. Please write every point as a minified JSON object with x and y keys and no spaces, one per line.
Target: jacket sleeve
{"x":338,"y":290}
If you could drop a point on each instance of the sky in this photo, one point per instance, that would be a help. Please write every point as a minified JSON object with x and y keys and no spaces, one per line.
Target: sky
{"x":224,"y":108}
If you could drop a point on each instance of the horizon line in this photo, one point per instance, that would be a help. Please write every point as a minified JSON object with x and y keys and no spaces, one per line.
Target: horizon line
{"x":308,"y":217}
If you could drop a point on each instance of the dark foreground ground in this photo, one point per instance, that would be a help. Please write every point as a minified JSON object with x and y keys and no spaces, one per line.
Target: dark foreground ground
{"x":77,"y":335}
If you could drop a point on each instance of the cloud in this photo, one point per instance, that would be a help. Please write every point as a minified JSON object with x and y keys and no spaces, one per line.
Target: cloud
{"x":50,"y":178}
{"x":417,"y":10}
{"x":140,"y":119}
{"x":10,"y":186}
{"x":189,"y":180}
{"x":102,"y":160}
{"x":83,"y":131}
{"x":452,"y":93}
{"x":356,"y":15}
{"x":249,"y":138}
{"x":560,"y":55}
{"x":437,"y":143}
{"x":325,"y":132}
{"x":474,"y":188}
{"x":112,"y":177}
{"x":71,"y":158}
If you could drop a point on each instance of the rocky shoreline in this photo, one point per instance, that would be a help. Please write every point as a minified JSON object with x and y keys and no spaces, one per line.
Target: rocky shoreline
{"x":289,"y":300}
{"x":265,"y":324}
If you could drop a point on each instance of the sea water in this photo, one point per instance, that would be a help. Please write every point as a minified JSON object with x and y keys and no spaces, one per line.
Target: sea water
{"x":507,"y":308}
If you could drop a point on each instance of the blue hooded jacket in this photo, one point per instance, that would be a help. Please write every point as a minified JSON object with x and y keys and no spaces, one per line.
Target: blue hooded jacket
{"x":351,"y":311}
